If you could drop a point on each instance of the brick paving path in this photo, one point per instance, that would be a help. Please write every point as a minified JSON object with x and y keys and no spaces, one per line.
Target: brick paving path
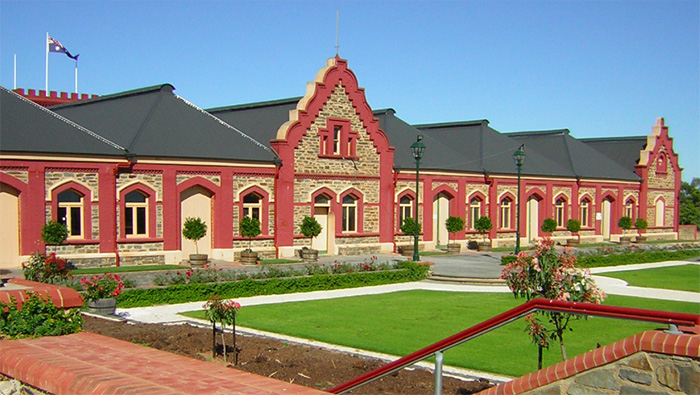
{"x":87,"y":363}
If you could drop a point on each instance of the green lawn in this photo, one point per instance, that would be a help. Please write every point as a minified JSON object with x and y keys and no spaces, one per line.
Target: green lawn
{"x":402,"y":322}
{"x":681,"y":278}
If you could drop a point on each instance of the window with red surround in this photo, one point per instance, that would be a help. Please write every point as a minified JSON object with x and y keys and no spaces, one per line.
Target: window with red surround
{"x":337,"y":140}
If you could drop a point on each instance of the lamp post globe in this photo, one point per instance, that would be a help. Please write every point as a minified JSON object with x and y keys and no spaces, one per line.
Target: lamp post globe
{"x":417,"y":150}
{"x":519,"y":159}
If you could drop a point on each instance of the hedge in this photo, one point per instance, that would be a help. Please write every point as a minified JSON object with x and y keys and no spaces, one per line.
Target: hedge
{"x":409,"y":271}
{"x":589,"y":261}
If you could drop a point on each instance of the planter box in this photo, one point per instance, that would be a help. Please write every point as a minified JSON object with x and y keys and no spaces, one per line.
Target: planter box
{"x":199,"y":260}
{"x":249,"y":258}
{"x":102,"y":306}
{"x":454,"y":248}
{"x":309,"y":255}
{"x":485,"y":246}
{"x":572,"y":242}
{"x":406,"y":250}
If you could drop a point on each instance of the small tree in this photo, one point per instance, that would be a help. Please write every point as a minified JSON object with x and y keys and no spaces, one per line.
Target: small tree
{"x":194,"y":229}
{"x":549,"y":225}
{"x":54,"y":233}
{"x":573,"y":226}
{"x":410,"y":227}
{"x":454,"y":225}
{"x":483,"y":225}
{"x":641,"y":223}
{"x":223,"y":311}
{"x":551,"y":276}
{"x":250,"y":228}
{"x":310,"y":228}
{"x":625,"y":223}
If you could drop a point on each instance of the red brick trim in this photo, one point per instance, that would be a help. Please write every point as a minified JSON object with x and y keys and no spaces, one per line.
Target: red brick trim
{"x":87,"y":363}
{"x":686,"y":345}
{"x":62,"y":297}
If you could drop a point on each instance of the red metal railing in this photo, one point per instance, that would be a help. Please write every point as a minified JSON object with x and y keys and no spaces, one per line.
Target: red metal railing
{"x":588,"y":309}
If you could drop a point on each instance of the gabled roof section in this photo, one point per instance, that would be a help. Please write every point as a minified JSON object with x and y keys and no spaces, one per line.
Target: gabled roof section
{"x":623,"y":150}
{"x":579,"y":159}
{"x":153,"y":122}
{"x":26,"y":127}
{"x":476,"y":147}
{"x":260,"y":120}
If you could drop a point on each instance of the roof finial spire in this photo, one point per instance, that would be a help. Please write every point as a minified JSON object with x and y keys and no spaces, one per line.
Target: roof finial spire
{"x":337,"y":28}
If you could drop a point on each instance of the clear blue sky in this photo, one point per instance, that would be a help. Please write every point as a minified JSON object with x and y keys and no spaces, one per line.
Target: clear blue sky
{"x":597,"y":68}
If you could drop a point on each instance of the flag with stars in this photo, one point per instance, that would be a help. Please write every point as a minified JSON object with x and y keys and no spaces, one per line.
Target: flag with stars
{"x":57,"y":47}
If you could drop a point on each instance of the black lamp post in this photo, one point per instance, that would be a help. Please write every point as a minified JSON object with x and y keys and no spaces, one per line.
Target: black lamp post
{"x":519,"y":158}
{"x":417,"y":150}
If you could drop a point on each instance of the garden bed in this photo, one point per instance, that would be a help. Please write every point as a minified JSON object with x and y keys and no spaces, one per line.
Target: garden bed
{"x":304,"y":365}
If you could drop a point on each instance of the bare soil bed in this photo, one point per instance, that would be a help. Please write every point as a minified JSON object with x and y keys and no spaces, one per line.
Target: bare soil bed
{"x":304,"y":365}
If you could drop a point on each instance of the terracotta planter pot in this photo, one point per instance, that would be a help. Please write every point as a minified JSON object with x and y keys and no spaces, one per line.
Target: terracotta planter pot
{"x":249,"y":258}
{"x":198,"y":260}
{"x":454,"y":248}
{"x":105,"y":306}
{"x":309,"y":255}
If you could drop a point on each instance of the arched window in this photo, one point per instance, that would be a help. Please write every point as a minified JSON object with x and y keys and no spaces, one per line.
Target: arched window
{"x":252,"y":206}
{"x":70,"y":212}
{"x":136,"y":214}
{"x":629,"y":208}
{"x":661,"y":163}
{"x":660,"y":208}
{"x":349,"y":214}
{"x":405,"y":208}
{"x":560,"y":212}
{"x":505,"y":213}
{"x":474,"y":211}
{"x":585,"y":213}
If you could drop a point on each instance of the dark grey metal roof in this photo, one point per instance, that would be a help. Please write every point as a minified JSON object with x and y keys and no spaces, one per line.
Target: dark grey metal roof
{"x":480,"y":148}
{"x":259,"y":120}
{"x":154,"y":122}
{"x":623,"y":150}
{"x":26,"y":127}
{"x":581,"y":160}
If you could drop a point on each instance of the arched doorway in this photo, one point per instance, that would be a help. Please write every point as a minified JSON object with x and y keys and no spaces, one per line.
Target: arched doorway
{"x":9,"y":231}
{"x":606,"y":214}
{"x":196,"y":202}
{"x":532,"y":209}
{"x":322,"y":207}
{"x":441,"y":211}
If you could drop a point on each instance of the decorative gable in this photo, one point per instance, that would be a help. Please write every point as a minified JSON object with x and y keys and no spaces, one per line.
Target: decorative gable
{"x":333,"y":130}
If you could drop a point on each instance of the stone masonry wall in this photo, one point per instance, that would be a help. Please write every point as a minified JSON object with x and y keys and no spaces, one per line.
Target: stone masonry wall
{"x":639,"y":374}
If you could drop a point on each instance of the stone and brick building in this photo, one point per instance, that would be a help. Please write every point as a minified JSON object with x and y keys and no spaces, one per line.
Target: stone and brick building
{"x":123,"y":171}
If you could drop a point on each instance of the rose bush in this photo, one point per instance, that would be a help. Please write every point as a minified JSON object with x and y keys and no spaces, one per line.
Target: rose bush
{"x":109,"y":285}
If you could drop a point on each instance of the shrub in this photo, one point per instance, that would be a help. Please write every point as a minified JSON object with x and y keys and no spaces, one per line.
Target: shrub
{"x":37,"y":317}
{"x":625,"y":222}
{"x":54,"y":233}
{"x":410,"y":227}
{"x":109,"y":285}
{"x":250,"y":227}
{"x":549,"y":225}
{"x":310,"y":228}
{"x":641,"y":223}
{"x":408,"y":271}
{"x":45,"y":269}
{"x":573,"y":225}
{"x":194,"y":229}
{"x":483,"y":225}
{"x":454,"y":224}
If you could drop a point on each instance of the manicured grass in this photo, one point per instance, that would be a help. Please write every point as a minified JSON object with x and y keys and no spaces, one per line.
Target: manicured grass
{"x":402,"y":322}
{"x":124,"y":269}
{"x":278,"y":261}
{"x":681,"y":278}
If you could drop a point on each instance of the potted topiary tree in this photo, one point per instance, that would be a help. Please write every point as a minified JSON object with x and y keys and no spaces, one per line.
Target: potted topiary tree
{"x":54,"y":234}
{"x":249,"y":227}
{"x":310,"y":228}
{"x":454,"y":225}
{"x":409,"y":227}
{"x":194,"y":229}
{"x":549,"y":225}
{"x":573,"y":226}
{"x":483,"y":225}
{"x":625,"y":223}
{"x":641,"y":224}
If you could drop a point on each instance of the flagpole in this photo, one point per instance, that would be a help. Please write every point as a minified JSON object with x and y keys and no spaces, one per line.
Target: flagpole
{"x":47,"y":61}
{"x":76,"y":75}
{"x":14,"y":85}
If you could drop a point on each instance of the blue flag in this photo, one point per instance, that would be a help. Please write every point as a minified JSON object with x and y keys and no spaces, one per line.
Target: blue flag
{"x":57,"y":47}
